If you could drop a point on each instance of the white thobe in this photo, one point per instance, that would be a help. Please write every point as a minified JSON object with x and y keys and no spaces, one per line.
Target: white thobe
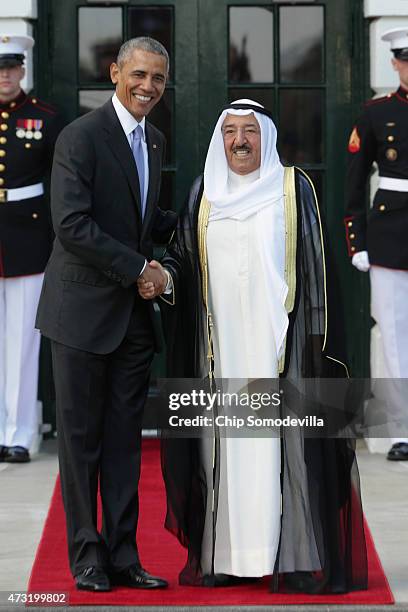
{"x":248,"y":517}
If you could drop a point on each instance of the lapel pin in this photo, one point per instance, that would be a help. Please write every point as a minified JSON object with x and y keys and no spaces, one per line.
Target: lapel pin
{"x":154,"y":146}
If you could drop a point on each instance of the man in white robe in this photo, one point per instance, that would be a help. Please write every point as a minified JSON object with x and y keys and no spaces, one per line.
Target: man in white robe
{"x":238,"y":240}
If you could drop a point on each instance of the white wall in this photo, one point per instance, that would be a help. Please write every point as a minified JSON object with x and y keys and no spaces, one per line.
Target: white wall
{"x":14,"y":16}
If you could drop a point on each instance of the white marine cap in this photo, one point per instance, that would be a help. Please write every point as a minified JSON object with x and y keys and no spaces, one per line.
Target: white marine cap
{"x":398,"y":37}
{"x":12,"y":49}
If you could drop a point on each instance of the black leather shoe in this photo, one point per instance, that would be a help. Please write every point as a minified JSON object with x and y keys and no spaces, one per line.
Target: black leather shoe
{"x":3,"y":452}
{"x":137,"y":578}
{"x":92,"y":579}
{"x":17,"y":454}
{"x":398,"y":452}
{"x":303,"y":582}
{"x":226,"y":580}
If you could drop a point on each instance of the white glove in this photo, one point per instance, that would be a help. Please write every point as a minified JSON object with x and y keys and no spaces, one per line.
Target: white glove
{"x":360,"y":261}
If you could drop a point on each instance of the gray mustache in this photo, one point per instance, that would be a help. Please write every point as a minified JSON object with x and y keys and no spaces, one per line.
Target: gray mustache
{"x":241,"y":149}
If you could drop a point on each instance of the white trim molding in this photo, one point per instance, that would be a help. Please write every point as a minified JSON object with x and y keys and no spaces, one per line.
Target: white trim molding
{"x":386,"y":8}
{"x":26,"y":9}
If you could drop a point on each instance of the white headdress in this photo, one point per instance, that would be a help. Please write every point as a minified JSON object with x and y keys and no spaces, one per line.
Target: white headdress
{"x":256,"y":195}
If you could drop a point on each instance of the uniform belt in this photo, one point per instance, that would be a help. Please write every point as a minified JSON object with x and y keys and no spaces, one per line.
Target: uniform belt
{"x":21,"y":193}
{"x":393,"y":184}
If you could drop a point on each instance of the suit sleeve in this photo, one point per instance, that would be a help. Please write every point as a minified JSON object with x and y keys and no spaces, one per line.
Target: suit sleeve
{"x":71,"y":209}
{"x":361,"y":155}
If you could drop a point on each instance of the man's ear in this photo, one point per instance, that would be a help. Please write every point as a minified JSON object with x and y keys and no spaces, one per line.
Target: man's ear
{"x":23,"y":71}
{"x":114,"y":72}
{"x":394,"y":64}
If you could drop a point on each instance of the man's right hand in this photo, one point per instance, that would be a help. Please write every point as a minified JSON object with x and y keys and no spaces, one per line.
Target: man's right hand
{"x":153,"y":281}
{"x":360,"y":261}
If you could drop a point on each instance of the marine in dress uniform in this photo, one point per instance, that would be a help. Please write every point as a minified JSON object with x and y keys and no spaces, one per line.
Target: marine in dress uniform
{"x":377,"y":241}
{"x":28,"y":130}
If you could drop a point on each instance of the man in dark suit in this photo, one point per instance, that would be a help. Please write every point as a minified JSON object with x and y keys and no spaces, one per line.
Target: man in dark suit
{"x":104,"y":193}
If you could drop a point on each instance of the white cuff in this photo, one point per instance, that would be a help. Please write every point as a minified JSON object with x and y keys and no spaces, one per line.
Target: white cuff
{"x":169,"y":287}
{"x":144,"y":267}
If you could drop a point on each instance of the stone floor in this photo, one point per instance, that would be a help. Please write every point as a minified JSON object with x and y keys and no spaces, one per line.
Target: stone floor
{"x":25,"y":492}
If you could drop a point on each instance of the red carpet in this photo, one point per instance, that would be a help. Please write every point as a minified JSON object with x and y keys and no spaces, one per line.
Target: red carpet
{"x":161,"y":554}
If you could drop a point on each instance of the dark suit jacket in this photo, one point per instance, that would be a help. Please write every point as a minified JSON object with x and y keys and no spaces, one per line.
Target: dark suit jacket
{"x":101,"y":243}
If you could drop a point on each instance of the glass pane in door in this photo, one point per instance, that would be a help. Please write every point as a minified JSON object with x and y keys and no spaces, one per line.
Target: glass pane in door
{"x":301,"y":44}
{"x":100,"y":36}
{"x":251,"y":44}
{"x":301,"y":125}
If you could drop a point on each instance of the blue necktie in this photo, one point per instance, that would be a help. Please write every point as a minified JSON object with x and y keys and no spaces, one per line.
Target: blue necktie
{"x":137,"y":150}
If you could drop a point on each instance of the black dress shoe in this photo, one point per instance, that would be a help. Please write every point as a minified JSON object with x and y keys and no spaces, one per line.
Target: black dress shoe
{"x":226,"y":580}
{"x":92,"y":579}
{"x":3,"y":452}
{"x":137,"y":578}
{"x":17,"y":454}
{"x":398,"y":452}
{"x":303,"y":582}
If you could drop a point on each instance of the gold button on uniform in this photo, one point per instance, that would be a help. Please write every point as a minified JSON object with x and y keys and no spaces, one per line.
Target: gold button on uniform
{"x":390,"y":138}
{"x":28,"y":145}
{"x":34,"y":100}
{"x":3,"y":140}
{"x":35,"y":216}
{"x":2,"y":167}
{"x":1,"y":181}
{"x":2,"y":153}
{"x":4,"y":115}
{"x":3,"y":127}
{"x":382,"y":207}
{"x":352,"y":236}
{"x":350,"y":224}
{"x":353,"y":248}
{"x":12,"y":104}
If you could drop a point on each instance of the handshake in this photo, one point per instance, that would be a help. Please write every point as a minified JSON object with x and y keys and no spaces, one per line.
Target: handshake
{"x":153,"y":280}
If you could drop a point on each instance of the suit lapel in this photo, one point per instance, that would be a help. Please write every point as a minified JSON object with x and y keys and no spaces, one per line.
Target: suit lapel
{"x":155,"y":156}
{"x":119,"y":146}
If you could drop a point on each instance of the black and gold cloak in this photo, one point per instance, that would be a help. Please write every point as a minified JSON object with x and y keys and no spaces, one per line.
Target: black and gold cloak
{"x":324,"y":470}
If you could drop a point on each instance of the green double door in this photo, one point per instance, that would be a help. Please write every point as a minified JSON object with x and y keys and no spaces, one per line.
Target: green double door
{"x":294,"y":57}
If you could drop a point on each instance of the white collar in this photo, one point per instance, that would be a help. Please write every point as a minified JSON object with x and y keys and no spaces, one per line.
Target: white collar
{"x":127,"y":121}
{"x":238,"y":181}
